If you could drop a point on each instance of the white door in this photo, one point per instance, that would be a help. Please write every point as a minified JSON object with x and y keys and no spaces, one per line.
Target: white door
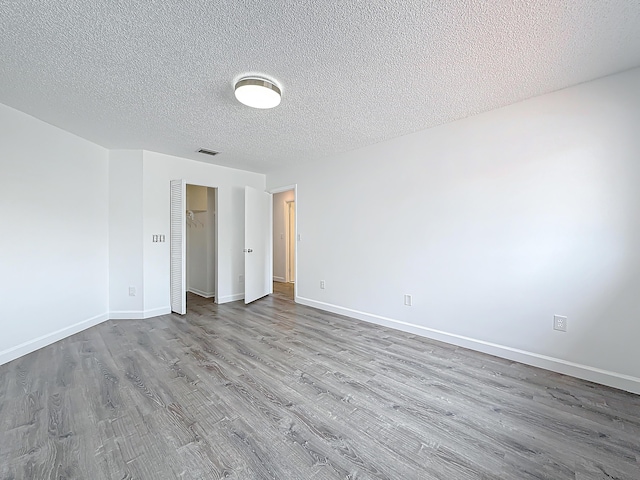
{"x":178,"y":237}
{"x":257,"y":244}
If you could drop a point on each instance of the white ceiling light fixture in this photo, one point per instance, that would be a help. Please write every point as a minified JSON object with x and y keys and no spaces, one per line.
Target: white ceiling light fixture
{"x":258,"y":93}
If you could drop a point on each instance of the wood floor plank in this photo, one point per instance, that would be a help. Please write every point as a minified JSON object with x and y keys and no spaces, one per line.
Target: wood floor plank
{"x":276,"y":390}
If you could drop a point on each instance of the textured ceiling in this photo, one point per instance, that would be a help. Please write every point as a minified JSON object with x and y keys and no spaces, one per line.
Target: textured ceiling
{"x":159,"y":75}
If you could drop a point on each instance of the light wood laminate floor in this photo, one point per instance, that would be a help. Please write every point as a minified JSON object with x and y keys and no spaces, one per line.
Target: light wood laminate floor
{"x":276,"y":390}
{"x":283,"y":290}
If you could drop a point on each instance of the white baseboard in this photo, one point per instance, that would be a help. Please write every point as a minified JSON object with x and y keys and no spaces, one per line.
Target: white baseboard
{"x":202,"y":293}
{"x":156,"y":312}
{"x":231,"y":298}
{"x":44,"y":340}
{"x":279,"y":279}
{"x":138,"y":314}
{"x":586,"y":372}
{"x":126,"y":315}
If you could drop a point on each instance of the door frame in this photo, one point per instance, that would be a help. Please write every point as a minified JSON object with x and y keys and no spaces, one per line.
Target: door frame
{"x":214,"y":240}
{"x":286,"y":188}
{"x":289,"y":225}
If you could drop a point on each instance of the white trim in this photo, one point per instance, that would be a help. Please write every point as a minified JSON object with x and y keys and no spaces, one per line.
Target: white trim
{"x":286,"y":188}
{"x":126,"y":315}
{"x":279,"y":279}
{"x":44,"y":340}
{"x":216,"y":273}
{"x":586,"y":372}
{"x":287,"y":227}
{"x":231,"y":298}
{"x":201,"y":293}
{"x":139,"y":314}
{"x":156,"y":312}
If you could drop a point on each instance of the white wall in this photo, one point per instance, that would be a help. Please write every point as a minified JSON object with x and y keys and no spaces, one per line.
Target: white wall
{"x":125,"y":233}
{"x":280,"y":234}
{"x":494,"y":224}
{"x":140,"y":209}
{"x":158,"y":171}
{"x":54,"y":267}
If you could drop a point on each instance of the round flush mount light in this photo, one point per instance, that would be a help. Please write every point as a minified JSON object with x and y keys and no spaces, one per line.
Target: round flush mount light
{"x":258,"y":92}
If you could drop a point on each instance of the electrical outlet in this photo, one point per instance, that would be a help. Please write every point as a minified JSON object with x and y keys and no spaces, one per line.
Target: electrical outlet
{"x":322,"y":284}
{"x":241,"y":278}
{"x":408,"y":300}
{"x":132,"y":291}
{"x":560,"y":323}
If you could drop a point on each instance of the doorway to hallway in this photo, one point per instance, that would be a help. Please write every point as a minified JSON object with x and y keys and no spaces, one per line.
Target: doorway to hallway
{"x":284,"y":242}
{"x":283,"y":290}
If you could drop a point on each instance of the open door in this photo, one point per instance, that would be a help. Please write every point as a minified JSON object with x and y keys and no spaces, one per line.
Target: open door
{"x":178,"y":237}
{"x":257,"y":244}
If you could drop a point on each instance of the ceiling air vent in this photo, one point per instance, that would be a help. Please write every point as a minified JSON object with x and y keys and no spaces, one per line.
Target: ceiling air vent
{"x":208,"y":152}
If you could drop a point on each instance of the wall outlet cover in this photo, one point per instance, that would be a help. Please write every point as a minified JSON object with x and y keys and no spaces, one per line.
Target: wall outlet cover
{"x":560,"y":323}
